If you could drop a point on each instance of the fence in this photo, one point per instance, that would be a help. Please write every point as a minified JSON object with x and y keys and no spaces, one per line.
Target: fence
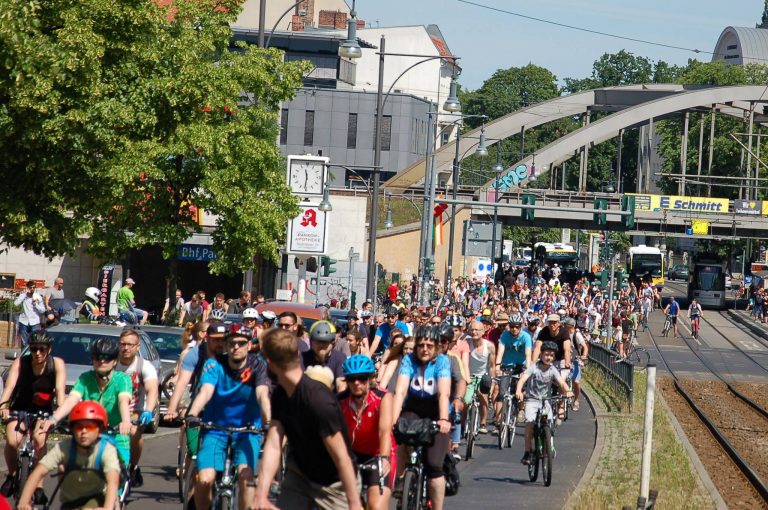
{"x":620,"y":376}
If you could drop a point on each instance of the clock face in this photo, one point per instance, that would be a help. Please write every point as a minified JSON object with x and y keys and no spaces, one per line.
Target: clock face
{"x":306,"y":177}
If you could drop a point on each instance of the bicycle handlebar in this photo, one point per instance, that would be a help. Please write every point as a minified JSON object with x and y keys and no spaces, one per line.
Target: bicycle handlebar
{"x":209,"y":425}
{"x":24,"y":415}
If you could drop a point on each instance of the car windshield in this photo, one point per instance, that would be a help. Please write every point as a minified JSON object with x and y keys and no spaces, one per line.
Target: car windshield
{"x":73,"y":348}
{"x":168,"y":344}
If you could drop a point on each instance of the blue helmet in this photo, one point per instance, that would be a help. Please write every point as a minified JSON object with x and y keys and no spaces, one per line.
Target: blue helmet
{"x":359,"y":364}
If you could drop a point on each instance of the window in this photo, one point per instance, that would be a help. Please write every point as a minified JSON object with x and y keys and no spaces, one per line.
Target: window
{"x":309,"y":127}
{"x":730,"y":57}
{"x":352,"y":131}
{"x":730,"y":47}
{"x":386,"y":132}
{"x":284,"y":126}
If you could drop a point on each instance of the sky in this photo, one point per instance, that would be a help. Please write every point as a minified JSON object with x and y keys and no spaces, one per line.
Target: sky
{"x":488,"y":40}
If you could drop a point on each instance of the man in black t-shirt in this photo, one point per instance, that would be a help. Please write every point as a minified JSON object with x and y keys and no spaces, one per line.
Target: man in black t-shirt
{"x":320,"y":469}
{"x":555,"y":333}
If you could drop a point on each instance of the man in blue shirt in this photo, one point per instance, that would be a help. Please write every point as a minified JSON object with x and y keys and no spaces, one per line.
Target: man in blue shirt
{"x":514,"y":352}
{"x":234,"y":392}
{"x":381,"y":340}
{"x":672,"y":309}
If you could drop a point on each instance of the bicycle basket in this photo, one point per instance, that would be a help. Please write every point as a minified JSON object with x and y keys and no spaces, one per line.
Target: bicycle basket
{"x":416,"y":432}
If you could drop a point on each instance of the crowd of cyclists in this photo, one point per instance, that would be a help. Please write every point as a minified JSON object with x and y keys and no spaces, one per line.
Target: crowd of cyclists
{"x":322,"y":411}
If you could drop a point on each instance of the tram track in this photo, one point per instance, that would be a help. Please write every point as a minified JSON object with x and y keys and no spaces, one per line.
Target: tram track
{"x":728,"y":435}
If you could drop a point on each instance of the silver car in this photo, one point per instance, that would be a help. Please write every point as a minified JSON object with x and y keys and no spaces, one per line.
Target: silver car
{"x":71,"y":343}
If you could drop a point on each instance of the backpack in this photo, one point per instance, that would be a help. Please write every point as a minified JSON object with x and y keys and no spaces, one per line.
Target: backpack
{"x":451,"y":474}
{"x":72,"y":465}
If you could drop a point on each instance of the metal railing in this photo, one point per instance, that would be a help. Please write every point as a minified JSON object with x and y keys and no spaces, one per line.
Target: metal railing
{"x":620,"y":376}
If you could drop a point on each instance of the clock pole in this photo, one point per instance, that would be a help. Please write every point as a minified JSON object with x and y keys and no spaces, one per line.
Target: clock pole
{"x":370,"y":277}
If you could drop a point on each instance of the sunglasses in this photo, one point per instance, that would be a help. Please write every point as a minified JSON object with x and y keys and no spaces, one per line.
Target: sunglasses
{"x":39,"y":348}
{"x":357,"y":378}
{"x":90,"y":426}
{"x":103,"y":357}
{"x":284,"y":326}
{"x":239,"y":344}
{"x":425,"y":346}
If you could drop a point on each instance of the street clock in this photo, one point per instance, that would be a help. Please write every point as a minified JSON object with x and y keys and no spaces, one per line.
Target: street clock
{"x":307,"y":174}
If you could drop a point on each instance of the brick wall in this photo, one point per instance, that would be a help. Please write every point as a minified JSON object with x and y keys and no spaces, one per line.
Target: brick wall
{"x":297,"y":23}
{"x":334,"y":19}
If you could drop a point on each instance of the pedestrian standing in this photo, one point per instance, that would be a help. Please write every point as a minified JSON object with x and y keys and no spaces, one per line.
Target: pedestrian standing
{"x":31,"y":307}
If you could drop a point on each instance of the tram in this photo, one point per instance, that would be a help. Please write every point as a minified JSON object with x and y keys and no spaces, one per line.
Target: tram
{"x":707,"y":281}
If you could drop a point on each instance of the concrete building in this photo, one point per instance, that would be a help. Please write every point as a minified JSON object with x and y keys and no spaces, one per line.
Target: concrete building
{"x":743,"y":45}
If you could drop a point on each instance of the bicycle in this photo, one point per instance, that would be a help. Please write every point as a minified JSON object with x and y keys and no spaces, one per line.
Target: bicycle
{"x":225,"y":489}
{"x":667,"y":325}
{"x":509,"y":407}
{"x":415,"y":494}
{"x":472,"y":424}
{"x":26,"y":452}
{"x":695,"y":325}
{"x":637,"y":356}
{"x":544,"y":443}
{"x":371,"y":465}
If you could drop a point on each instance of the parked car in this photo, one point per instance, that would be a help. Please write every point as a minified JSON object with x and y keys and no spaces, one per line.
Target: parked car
{"x":72,"y":342}
{"x":167,"y":341}
{"x":678,"y":272}
{"x":308,"y":314}
{"x":728,"y":284}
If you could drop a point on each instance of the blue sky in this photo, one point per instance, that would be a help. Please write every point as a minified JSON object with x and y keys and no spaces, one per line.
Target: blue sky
{"x":487,"y":40}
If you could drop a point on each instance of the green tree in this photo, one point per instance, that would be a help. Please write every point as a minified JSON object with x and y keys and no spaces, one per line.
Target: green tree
{"x":118,"y":121}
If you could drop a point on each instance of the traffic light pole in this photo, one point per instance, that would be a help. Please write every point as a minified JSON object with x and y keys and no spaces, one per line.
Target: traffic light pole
{"x":610,"y":293}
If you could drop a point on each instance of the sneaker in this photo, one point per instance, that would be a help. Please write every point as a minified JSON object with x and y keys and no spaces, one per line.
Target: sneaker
{"x":482,"y":430}
{"x":8,"y":486}
{"x":137,"y":480}
{"x":456,"y":455}
{"x":575,"y":405}
{"x":39,"y":497}
{"x":521,"y":415}
{"x":526,"y":460}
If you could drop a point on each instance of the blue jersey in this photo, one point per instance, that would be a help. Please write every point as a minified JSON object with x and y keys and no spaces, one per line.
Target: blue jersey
{"x":674,"y":308}
{"x":423,"y":379}
{"x":514,"y":347}
{"x":385,"y":330}
{"x":233,"y":403}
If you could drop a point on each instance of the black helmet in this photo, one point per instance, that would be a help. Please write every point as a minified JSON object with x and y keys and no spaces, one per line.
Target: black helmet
{"x":445,"y":330}
{"x":427,"y":332}
{"x":322,"y":331}
{"x":549,"y":346}
{"x":393,"y":310}
{"x":467,"y":312}
{"x":40,"y":338}
{"x":107,"y":347}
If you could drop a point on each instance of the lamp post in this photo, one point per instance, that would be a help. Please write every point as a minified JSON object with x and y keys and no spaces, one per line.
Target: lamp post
{"x":497,"y":168}
{"x":481,"y":151}
{"x":380,"y":100}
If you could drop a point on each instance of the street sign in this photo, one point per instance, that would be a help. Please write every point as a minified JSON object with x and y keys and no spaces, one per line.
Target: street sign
{"x":195,"y":252}
{"x":308,"y":232}
{"x":478,"y":239}
{"x":700,"y":227}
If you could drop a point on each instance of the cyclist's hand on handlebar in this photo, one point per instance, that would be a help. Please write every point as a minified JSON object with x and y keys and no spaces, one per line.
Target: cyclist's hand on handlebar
{"x":193,"y":421}
{"x":49,"y":425}
{"x":170,"y":416}
{"x":146,"y":417}
{"x":4,"y":413}
{"x":444,"y":426}
{"x":24,"y":506}
{"x":519,"y":395}
{"x":569,"y":394}
{"x":124,"y":427}
{"x":262,"y":503}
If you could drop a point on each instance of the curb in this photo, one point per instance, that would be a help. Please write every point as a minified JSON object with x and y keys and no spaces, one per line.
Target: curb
{"x":597,"y":450}
{"x":701,"y":471}
{"x":755,"y":328}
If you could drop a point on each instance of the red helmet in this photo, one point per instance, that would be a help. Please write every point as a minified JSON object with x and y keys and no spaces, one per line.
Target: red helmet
{"x":89,"y":410}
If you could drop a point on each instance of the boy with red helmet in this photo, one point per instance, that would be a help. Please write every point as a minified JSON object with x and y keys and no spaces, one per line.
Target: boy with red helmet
{"x":93,"y":458}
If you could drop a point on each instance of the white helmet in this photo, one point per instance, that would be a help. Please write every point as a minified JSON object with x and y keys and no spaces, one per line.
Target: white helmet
{"x":218,"y":314}
{"x":92,"y":293}
{"x":250,"y":313}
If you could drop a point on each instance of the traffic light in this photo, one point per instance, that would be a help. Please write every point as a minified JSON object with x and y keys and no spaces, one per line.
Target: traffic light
{"x":525,"y":213}
{"x":600,"y":217}
{"x":628,"y":205}
{"x":429,"y":264}
{"x":327,"y":263}
{"x":312,"y":264}
{"x":352,"y":299}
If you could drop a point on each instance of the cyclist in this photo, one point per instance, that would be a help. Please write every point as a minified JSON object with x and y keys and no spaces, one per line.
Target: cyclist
{"x":542,"y":375}
{"x":533,"y":326}
{"x":110,"y":388}
{"x":459,"y":378}
{"x":515,"y":350}
{"x":694,"y":315}
{"x":555,"y":333}
{"x":144,"y":399}
{"x":33,"y":381}
{"x":481,"y":358}
{"x":580,"y":355}
{"x":381,"y":338}
{"x":91,"y":473}
{"x":423,"y":391}
{"x":234,"y":392}
{"x":89,"y":310}
{"x":322,"y":336}
{"x":672,"y":310}
{"x":320,"y":469}
{"x":368,"y":414}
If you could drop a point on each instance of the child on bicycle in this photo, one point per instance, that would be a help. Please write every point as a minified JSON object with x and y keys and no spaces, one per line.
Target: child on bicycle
{"x":91,"y":468}
{"x":541,"y":375}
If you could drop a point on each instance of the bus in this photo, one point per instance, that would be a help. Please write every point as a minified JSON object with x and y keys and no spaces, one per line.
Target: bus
{"x":707,"y":281}
{"x":564,"y":255}
{"x":643,"y":260}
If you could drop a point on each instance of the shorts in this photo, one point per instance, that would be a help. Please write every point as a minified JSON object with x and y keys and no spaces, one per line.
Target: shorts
{"x":506,"y":379}
{"x":213,"y":450}
{"x":472,"y":386}
{"x":576,"y":371}
{"x":298,"y":492}
{"x":122,"y":444}
{"x":673,"y":319}
{"x":532,"y":408}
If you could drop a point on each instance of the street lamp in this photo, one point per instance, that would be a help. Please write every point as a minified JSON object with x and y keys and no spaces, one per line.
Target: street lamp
{"x":607,"y":186}
{"x":482,"y":150}
{"x":452,"y":104}
{"x":325,"y":203}
{"x":498,"y":167}
{"x":350,"y":48}
{"x":388,"y":223}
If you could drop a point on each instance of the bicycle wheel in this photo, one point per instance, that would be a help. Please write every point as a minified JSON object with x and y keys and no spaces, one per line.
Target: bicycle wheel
{"x":224,"y":502}
{"x":547,"y":456}
{"x":181,"y":461}
{"x":665,"y":331}
{"x":639,"y":357}
{"x":411,"y":499}
{"x":21,"y":475}
{"x":503,"y":423}
{"x":511,"y":419}
{"x":472,"y":423}
{"x":189,"y":482}
{"x":533,"y":467}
